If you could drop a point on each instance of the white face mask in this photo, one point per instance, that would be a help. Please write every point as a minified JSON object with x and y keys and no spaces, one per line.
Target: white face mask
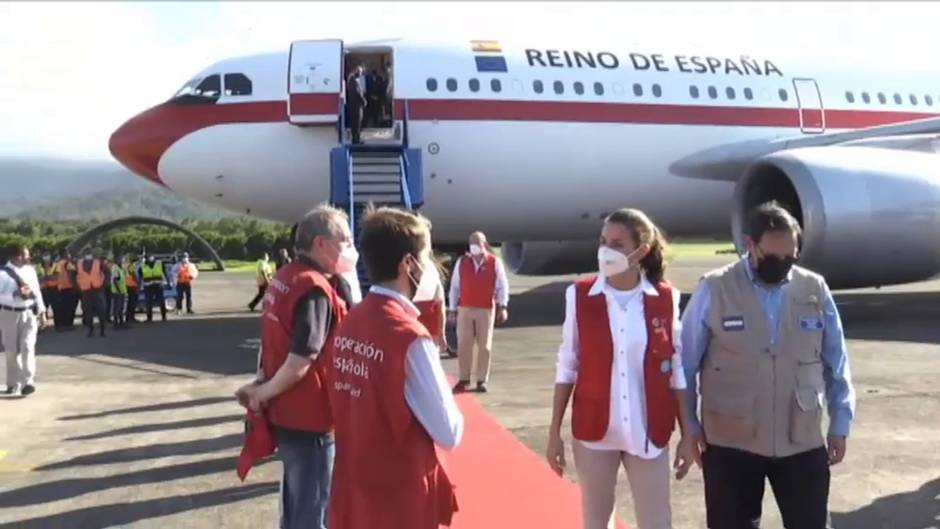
{"x":88,"y":257}
{"x":610,"y":262}
{"x":427,"y":286}
{"x":346,"y":263}
{"x":476,"y":250}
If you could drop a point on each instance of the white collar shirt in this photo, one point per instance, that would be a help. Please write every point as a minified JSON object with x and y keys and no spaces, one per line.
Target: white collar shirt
{"x":626,"y":430}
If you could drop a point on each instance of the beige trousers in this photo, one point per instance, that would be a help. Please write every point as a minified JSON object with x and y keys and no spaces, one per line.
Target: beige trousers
{"x":474,"y":326}
{"x":18,"y":331}
{"x":649,"y":485}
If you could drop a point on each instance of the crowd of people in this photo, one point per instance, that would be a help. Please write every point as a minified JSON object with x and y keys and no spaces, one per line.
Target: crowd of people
{"x":353,"y":397}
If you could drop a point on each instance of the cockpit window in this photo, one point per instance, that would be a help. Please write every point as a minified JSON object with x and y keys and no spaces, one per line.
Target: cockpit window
{"x":237,"y":84}
{"x":200,"y":90}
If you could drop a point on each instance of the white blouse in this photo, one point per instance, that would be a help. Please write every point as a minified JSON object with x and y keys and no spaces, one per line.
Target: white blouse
{"x":626,"y":430}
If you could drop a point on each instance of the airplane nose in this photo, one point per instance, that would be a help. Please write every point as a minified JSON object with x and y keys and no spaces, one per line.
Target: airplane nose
{"x":137,"y":146}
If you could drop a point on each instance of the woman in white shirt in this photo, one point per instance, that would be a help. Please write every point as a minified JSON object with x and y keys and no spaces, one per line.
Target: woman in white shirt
{"x":620,"y":357}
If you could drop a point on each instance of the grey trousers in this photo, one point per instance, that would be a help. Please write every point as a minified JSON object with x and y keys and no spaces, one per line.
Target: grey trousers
{"x":18,"y":330}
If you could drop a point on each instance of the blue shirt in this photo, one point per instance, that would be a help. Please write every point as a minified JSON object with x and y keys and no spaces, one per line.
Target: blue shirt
{"x":840,"y":394}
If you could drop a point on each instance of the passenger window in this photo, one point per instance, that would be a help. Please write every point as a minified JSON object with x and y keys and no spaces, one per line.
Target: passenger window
{"x":693,"y":91}
{"x":578,"y":88}
{"x":882,"y":99}
{"x":712,"y":92}
{"x":897,"y":99}
{"x":729,"y":92}
{"x":452,"y":85}
{"x":748,"y":94}
{"x":850,"y":97}
{"x":928,"y":101}
{"x":496,"y":86}
{"x":474,"y":85}
{"x":432,"y":84}
{"x":913,"y":100}
{"x":637,"y":89}
{"x":237,"y":84}
{"x":599,"y":89}
{"x":866,"y":98}
{"x":657,"y":90}
{"x":209,"y":87}
{"x":559,"y":87}
{"x":784,"y":96}
{"x":537,"y":86}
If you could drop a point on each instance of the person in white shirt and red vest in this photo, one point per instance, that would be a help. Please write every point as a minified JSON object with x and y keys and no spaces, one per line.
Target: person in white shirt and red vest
{"x":388,"y":393}
{"x":620,"y":357}
{"x":479,"y":296}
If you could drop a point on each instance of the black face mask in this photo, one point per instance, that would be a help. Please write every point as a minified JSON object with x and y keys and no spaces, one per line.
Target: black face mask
{"x":772,"y":269}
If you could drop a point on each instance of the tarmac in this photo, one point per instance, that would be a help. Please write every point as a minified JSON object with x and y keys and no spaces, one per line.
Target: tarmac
{"x":140,"y":429}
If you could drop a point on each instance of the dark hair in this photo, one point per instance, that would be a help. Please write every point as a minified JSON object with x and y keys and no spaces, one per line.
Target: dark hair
{"x":770,"y":217}
{"x":13,"y":250}
{"x":644,"y":231}
{"x":388,"y":235}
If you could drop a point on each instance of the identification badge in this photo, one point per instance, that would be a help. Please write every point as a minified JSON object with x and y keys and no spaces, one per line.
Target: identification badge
{"x":734,"y":323}
{"x":811,"y":324}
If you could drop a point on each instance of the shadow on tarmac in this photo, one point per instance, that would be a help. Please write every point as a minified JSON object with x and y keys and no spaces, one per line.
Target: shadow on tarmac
{"x":161,"y":427}
{"x":917,"y":509}
{"x":154,"y":451}
{"x":118,"y":514}
{"x":179,"y":405}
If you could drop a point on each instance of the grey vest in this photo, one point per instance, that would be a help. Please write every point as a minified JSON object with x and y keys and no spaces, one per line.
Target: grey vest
{"x":758,"y":397}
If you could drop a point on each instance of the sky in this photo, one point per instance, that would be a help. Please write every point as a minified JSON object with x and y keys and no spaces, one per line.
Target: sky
{"x":72,"y":72}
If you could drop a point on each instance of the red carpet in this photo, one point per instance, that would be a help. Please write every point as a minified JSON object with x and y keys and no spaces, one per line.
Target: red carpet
{"x":501,"y":484}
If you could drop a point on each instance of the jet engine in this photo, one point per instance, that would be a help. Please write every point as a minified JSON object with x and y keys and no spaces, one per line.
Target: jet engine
{"x":870,"y":216}
{"x":550,"y":257}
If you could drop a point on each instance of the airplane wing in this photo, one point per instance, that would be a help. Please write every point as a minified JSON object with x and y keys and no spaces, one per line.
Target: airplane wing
{"x":727,"y":162}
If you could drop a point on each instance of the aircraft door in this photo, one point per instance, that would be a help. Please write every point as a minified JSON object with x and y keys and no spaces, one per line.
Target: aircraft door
{"x":809,"y":100}
{"x":315,"y":81}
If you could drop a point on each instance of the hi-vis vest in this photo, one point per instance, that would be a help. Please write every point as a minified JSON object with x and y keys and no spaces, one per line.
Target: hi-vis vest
{"x":152,"y":274}
{"x":130,"y":276}
{"x":264,"y":272}
{"x":64,"y":267}
{"x":118,"y":280}
{"x":387,"y":473}
{"x":756,"y":396}
{"x":590,"y":415}
{"x":91,"y":280}
{"x":184,"y":276}
{"x":304,"y":406}
{"x":48,"y":277}
{"x":477,"y":289}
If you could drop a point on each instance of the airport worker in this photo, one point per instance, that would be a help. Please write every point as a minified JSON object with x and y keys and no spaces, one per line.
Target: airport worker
{"x":67,"y":295}
{"x":185,"y":273}
{"x":479,"y":294}
{"x":300,"y":311}
{"x":48,"y":282}
{"x":106,"y":269}
{"x":133,"y":290}
{"x":22,"y":315}
{"x":620,"y":358}
{"x":153,"y":278}
{"x":118,"y":287}
{"x":91,"y":280}
{"x":390,"y":399}
{"x":263,"y":275}
{"x":765,"y":337}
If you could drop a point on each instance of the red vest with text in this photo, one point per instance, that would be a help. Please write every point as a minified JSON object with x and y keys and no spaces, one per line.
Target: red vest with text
{"x":431,"y":315}
{"x":477,"y":289}
{"x":304,"y":406}
{"x":591,"y":409}
{"x":387,"y":473}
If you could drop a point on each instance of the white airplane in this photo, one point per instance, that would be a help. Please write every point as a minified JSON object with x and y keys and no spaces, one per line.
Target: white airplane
{"x":534,"y":144}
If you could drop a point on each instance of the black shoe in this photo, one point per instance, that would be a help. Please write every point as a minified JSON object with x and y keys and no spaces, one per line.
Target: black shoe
{"x":10,"y":390}
{"x":190,"y":311}
{"x":251,"y":308}
{"x":28,"y":389}
{"x":481,"y":387}
{"x":91,"y":334}
{"x":461,"y":386}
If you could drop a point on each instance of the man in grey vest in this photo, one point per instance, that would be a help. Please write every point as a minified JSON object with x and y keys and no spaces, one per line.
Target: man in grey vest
{"x":766,"y":338}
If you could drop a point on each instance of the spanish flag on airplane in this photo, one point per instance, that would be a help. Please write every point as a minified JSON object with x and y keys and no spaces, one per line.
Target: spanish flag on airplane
{"x":488,"y":55}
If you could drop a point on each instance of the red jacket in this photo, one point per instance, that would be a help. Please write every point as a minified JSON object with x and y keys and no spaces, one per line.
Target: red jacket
{"x":386,"y":473}
{"x":591,"y":409}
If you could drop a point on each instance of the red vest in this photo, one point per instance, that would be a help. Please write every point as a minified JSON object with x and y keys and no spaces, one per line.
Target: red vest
{"x":387,"y":473}
{"x":304,"y":406}
{"x":431,"y":315}
{"x":477,"y":289}
{"x":591,"y":410}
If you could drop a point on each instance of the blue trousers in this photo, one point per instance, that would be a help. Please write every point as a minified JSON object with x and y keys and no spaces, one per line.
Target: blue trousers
{"x":308,"y":470}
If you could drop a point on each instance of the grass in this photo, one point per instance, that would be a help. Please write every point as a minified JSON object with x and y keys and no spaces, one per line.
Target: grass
{"x":684,"y":248}
{"x":231,"y":265}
